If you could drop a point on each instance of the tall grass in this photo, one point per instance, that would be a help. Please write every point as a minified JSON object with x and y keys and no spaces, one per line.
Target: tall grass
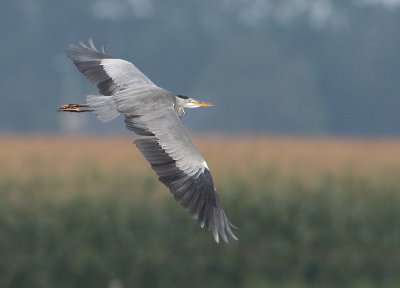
{"x":90,"y":213}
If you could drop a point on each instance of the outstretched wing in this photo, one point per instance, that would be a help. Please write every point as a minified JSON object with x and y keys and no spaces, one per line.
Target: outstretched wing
{"x":150,"y":110}
{"x":109,"y":74}
{"x":182,"y":169}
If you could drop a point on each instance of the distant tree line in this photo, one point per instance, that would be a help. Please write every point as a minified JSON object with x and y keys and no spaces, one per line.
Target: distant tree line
{"x":336,"y":75}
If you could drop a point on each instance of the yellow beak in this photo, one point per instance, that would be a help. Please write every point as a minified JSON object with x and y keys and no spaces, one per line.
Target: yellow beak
{"x":202,"y":104}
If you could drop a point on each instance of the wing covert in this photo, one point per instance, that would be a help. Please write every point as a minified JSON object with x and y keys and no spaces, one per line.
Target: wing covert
{"x":109,"y":74}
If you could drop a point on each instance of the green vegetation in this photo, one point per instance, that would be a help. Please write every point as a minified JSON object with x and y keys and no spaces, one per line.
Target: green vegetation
{"x":104,"y":228}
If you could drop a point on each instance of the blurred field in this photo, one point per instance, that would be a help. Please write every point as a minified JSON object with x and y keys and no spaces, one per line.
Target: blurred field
{"x":89,"y":212}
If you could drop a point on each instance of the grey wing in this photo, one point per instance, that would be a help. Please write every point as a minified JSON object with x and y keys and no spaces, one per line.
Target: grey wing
{"x":182,"y":169}
{"x":109,"y":74}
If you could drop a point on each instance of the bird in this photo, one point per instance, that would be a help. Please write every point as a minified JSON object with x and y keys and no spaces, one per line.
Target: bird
{"x":154,"y":114}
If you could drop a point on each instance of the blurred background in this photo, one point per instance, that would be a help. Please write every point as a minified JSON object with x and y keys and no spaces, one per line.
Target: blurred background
{"x":292,"y":66}
{"x":302,"y":143}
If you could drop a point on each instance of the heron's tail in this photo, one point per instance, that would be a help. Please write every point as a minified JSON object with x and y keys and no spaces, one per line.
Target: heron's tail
{"x":75,"y":108}
{"x":103,"y":107}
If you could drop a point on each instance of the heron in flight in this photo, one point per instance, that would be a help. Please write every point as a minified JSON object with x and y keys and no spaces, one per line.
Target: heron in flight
{"x":154,"y":113}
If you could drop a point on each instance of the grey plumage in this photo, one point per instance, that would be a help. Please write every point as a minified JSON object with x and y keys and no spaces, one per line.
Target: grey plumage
{"x":195,"y":192}
{"x":153,"y":112}
{"x":103,"y":107}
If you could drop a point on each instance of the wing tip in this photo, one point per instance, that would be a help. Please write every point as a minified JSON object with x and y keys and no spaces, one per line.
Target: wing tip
{"x":85,"y":48}
{"x":219,"y":226}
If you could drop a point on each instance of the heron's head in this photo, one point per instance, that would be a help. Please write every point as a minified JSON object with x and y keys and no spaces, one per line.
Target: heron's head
{"x":187,"y":102}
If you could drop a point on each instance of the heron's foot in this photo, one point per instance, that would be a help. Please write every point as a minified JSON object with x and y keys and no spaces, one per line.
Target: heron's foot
{"x":74,"y":108}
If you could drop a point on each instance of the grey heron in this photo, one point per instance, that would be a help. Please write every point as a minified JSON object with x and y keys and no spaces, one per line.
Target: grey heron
{"x":153,"y":113}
